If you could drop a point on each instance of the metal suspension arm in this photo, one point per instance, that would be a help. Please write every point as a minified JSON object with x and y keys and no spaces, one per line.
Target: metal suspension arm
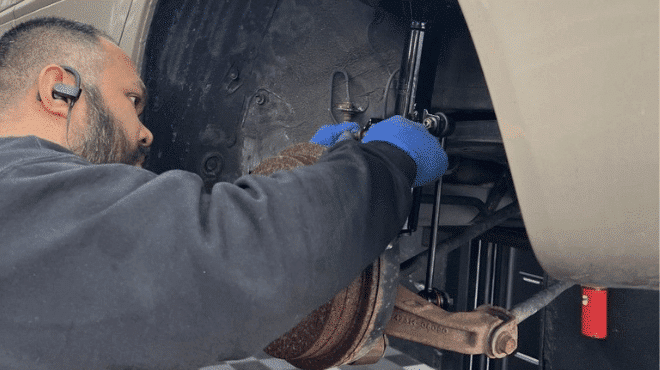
{"x":488,"y":330}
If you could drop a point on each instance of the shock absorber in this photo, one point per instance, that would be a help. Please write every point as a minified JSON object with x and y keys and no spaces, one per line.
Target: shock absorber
{"x":406,"y":106}
{"x":409,"y":72}
{"x":405,"y":102}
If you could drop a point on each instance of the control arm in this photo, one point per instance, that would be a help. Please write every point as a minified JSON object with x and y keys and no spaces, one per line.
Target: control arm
{"x":488,"y":330}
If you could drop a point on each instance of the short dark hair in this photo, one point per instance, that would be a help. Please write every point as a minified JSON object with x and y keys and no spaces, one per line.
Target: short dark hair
{"x":30,"y":46}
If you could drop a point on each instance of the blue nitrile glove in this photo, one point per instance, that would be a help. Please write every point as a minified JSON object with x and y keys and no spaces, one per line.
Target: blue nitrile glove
{"x":413,"y":138}
{"x":330,"y":135}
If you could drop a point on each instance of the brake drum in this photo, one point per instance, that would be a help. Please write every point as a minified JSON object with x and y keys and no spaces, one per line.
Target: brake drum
{"x":349,"y":328}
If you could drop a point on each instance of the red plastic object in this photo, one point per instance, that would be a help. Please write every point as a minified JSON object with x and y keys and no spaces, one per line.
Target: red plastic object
{"x":594,"y":312}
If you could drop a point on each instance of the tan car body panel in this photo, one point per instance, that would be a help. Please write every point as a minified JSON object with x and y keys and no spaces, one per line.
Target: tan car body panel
{"x":575,"y":89}
{"x":109,"y":16}
{"x":125,"y":21}
{"x":136,"y":30}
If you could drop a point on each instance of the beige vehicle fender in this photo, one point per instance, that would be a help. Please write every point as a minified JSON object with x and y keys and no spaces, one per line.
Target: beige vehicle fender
{"x":125,"y":21}
{"x":575,"y":89}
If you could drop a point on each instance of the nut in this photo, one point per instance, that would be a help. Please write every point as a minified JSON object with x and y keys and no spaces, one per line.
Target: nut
{"x":428,"y":123}
{"x":506,"y":344}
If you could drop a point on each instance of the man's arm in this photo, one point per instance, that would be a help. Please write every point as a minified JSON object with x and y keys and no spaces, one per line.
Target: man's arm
{"x":112,"y":265}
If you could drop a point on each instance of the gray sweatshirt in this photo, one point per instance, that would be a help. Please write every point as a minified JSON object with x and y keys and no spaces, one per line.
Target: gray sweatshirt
{"x":114,"y":267}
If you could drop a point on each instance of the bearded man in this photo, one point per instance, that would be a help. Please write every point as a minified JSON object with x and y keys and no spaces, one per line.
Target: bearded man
{"x":105,"y":265}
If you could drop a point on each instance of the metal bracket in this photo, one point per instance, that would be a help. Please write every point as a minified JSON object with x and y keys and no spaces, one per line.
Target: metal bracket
{"x":488,"y":330}
{"x":437,"y":124}
{"x":348,"y":109}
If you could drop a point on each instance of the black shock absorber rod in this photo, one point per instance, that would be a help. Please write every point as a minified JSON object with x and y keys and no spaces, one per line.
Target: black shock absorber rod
{"x":406,"y":106}
{"x":409,"y":73}
{"x":405,"y":99}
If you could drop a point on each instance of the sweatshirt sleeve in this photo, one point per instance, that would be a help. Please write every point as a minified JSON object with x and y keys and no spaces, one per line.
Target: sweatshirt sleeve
{"x":108,"y":266}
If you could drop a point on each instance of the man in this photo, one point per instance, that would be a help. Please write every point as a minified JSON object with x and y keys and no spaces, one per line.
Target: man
{"x":108,"y":266}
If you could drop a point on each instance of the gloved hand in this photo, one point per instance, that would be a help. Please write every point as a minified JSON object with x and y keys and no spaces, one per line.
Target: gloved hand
{"x":330,"y":135}
{"x":413,"y":138}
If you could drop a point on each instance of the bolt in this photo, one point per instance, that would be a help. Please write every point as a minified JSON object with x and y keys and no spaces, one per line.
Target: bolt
{"x":233,"y":74}
{"x":428,"y":123}
{"x":260,"y":98}
{"x":506,"y":344}
{"x":212,"y":164}
{"x":348,"y":111}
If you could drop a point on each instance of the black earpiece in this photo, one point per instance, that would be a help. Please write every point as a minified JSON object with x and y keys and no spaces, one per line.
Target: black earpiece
{"x":64,"y":92}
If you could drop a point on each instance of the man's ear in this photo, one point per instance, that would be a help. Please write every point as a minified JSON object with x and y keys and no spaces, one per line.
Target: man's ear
{"x":49,"y":76}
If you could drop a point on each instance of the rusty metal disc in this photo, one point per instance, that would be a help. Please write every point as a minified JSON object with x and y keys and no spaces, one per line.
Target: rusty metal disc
{"x":347,"y":328}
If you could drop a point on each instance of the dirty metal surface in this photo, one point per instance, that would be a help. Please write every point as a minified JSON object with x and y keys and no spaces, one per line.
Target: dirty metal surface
{"x":346,"y":329}
{"x":301,"y":154}
{"x":487,"y":330}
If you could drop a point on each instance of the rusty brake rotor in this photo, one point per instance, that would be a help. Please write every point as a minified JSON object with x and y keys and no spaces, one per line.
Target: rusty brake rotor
{"x":347,"y":329}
